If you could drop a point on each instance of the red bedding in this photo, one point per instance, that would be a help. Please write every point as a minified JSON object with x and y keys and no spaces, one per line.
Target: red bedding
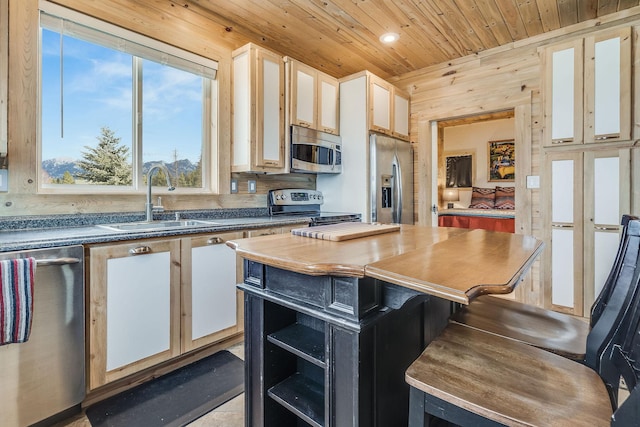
{"x":485,"y":223}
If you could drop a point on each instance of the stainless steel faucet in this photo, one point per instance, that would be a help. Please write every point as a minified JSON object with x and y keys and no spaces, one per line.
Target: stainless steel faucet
{"x":149,"y":204}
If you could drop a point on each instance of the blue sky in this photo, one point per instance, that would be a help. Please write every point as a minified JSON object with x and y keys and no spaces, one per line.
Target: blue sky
{"x":98,"y":93}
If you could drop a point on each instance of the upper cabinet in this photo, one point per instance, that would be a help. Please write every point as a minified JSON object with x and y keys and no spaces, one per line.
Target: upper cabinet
{"x":587,"y":89}
{"x":314,"y":98}
{"x":388,"y":108}
{"x":258,"y":142}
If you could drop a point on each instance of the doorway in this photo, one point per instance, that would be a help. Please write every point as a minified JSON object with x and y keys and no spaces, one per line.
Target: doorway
{"x":468,"y":142}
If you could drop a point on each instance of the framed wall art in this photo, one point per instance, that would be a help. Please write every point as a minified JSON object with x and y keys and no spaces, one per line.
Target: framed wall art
{"x":502,"y":162}
{"x":459,"y":171}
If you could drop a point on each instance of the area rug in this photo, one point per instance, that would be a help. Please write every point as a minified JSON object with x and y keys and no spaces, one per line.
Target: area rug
{"x":174,"y":399}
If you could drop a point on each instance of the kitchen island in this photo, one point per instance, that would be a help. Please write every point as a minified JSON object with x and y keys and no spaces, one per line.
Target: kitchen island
{"x":331,"y":326}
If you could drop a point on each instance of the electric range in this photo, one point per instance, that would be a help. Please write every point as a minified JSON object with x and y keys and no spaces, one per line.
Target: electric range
{"x":303,"y":202}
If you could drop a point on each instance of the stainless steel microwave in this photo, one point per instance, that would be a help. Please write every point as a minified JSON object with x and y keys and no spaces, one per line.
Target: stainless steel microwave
{"x":313,"y":151}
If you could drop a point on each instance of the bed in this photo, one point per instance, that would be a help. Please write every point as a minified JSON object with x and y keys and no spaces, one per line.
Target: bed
{"x":486,"y":219}
{"x":490,"y":209}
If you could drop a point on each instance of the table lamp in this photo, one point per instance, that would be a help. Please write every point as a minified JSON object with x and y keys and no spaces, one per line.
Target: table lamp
{"x":451,"y":195}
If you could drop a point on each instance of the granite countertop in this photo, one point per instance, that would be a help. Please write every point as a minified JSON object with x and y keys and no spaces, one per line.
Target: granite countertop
{"x":35,"y":232}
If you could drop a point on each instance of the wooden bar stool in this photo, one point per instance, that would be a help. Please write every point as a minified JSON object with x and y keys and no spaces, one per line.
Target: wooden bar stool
{"x":474,"y":378}
{"x":556,"y":332}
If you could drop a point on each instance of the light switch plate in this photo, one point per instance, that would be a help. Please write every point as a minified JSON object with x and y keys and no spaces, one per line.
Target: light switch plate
{"x":4,"y":182}
{"x":252,"y":186}
{"x":533,"y":181}
{"x":234,"y":185}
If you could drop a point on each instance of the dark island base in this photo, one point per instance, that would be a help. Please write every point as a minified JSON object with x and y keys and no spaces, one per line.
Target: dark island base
{"x":331,"y":351}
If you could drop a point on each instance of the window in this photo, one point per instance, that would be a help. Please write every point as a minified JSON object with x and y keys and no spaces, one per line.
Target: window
{"x":113,"y":103}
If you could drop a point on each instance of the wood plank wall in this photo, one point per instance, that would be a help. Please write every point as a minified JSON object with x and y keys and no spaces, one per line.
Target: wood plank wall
{"x":505,"y":78}
{"x":166,"y":21}
{"x":500,"y":79}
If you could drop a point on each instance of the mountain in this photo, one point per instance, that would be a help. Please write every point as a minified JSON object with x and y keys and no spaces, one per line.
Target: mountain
{"x":181,"y":166}
{"x":56,"y":168}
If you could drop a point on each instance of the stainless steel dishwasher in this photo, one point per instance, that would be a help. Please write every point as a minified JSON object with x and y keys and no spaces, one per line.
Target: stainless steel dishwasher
{"x":45,"y":375}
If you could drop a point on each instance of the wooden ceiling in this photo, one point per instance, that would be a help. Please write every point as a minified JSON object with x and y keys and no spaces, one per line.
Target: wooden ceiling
{"x":341,"y":37}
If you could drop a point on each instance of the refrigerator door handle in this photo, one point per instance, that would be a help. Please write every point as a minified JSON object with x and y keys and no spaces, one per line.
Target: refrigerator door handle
{"x":397,"y":182}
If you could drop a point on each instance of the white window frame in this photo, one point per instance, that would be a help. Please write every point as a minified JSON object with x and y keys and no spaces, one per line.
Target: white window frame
{"x":147,"y":48}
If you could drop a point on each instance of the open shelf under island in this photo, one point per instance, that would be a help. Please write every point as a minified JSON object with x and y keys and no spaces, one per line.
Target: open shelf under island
{"x":331,"y":327}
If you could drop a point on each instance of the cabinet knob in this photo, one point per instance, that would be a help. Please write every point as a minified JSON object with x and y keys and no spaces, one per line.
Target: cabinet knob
{"x":215,"y":241}
{"x":140,"y":250}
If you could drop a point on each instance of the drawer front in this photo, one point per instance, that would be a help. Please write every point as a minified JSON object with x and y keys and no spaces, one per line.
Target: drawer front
{"x":346,"y":297}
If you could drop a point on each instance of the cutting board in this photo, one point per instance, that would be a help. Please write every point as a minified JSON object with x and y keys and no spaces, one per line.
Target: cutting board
{"x":345,"y":230}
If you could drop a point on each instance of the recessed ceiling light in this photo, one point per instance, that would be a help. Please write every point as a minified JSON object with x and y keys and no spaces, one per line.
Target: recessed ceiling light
{"x":389,"y":37}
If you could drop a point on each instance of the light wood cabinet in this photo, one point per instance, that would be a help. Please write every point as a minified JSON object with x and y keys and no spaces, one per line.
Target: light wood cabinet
{"x":388,"y":108}
{"x":134,"y":309}
{"x":589,"y":191}
{"x":152,"y":300}
{"x":274,"y":230}
{"x":211,"y":304}
{"x":258,"y":141}
{"x":314,"y":98}
{"x":587,"y":89}
{"x":366,"y":104}
{"x":264,"y":232}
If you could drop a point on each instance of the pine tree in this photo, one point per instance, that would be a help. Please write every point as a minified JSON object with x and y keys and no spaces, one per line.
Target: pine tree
{"x":107,"y":163}
{"x":67,"y":178}
{"x":194,"y":178}
{"x":158,"y":179}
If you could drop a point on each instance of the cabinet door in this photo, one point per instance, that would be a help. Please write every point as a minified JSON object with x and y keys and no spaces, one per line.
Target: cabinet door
{"x":328,"y":104}
{"x":380,"y":98}
{"x":563,"y":256}
{"x":270,"y":111}
{"x":607,"y":86}
{"x":563,"y":77}
{"x":400,"y":114}
{"x":589,"y":193}
{"x":209,"y":294}
{"x":607,"y":193}
{"x":242,"y":88}
{"x":304,"y":95}
{"x":134,"y":310}
{"x":264,"y":232}
{"x":258,"y":111}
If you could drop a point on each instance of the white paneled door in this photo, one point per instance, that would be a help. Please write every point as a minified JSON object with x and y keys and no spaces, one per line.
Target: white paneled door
{"x":589,"y":193}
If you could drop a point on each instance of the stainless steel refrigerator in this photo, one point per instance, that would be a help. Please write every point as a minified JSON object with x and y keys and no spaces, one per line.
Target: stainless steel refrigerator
{"x":376,"y":179}
{"x":391,"y":180}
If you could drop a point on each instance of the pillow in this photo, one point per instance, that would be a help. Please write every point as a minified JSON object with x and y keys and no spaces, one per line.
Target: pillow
{"x":505,"y":198}
{"x":482,"y":198}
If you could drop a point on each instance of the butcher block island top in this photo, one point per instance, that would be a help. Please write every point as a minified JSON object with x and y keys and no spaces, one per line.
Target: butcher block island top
{"x":345,"y":231}
{"x":452,"y":263}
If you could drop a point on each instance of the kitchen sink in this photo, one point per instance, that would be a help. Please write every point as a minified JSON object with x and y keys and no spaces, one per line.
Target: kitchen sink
{"x":157,"y":225}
